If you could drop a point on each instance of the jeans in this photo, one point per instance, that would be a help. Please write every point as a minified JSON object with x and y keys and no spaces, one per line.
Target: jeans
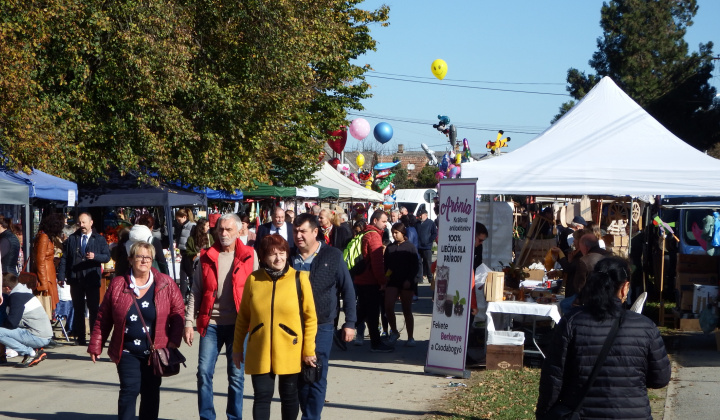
{"x":137,"y":377}
{"x":21,"y":340}
{"x":210,"y":347}
{"x":312,"y":396}
{"x":368,"y":309}
{"x":264,"y":386}
{"x":79,"y":293}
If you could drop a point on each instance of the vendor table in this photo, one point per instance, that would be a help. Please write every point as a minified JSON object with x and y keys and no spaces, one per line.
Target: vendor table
{"x":523,"y":308}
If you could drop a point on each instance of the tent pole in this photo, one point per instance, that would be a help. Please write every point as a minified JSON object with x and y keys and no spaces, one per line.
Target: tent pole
{"x":661,"y":321}
{"x":168,"y":226}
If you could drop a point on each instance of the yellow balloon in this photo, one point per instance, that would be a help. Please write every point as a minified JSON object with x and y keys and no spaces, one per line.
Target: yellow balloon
{"x":439,"y":68}
{"x":458,"y":159}
{"x":360,"y":160}
{"x":368,"y":185}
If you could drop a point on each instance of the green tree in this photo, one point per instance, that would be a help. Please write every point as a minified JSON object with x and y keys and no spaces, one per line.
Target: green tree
{"x":426,"y":177}
{"x":643,"y":50}
{"x":402,"y":179}
{"x":215,"y":93}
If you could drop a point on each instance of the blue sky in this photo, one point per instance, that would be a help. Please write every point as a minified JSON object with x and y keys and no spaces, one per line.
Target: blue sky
{"x":517,"y":41}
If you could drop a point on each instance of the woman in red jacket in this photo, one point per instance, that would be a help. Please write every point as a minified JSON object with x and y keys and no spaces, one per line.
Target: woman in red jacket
{"x":160,"y":306}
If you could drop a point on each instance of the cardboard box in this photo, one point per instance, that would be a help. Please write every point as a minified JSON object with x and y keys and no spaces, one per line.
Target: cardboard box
{"x":690,"y":324}
{"x":494,"y":286}
{"x":697,"y":264}
{"x":686,"y":300}
{"x":504,"y":357}
{"x":703,"y":296}
{"x":689,"y":279}
{"x":620,"y":240}
{"x":534,"y":274}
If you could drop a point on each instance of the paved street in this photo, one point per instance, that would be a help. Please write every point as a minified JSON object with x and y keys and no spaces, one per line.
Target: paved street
{"x":362,"y":385}
{"x":693,"y":390}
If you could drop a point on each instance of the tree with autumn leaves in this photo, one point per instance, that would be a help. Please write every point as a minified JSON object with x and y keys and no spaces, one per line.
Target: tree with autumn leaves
{"x":212,"y":93}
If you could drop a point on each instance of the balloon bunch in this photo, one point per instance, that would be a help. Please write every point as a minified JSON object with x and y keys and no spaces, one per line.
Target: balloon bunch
{"x":500,"y":142}
{"x":448,"y":167}
{"x":366,"y":178}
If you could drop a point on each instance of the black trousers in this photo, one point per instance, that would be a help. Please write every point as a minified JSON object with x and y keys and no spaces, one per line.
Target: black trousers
{"x":426,"y":256}
{"x":79,"y":292}
{"x":368,"y":309}
{"x":137,"y":378}
{"x":264,"y":387}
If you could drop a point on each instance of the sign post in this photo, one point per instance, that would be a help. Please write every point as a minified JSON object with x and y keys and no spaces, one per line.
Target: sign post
{"x":453,"y":287}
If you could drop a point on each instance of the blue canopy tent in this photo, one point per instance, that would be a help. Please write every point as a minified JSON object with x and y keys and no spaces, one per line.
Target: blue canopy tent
{"x":13,"y":193}
{"x":42,"y":185}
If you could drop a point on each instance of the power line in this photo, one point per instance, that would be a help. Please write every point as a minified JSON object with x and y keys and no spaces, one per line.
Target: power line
{"x":470,"y":81}
{"x":467,"y":87}
{"x":490,"y":128}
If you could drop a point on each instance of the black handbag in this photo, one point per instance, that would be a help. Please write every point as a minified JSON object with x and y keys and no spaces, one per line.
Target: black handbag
{"x":165,"y":361}
{"x":309,"y":374}
{"x":562,"y":412}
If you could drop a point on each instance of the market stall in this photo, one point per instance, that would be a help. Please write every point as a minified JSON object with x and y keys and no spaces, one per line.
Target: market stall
{"x":348,"y":190}
{"x":14,"y":194}
{"x":126,"y":191}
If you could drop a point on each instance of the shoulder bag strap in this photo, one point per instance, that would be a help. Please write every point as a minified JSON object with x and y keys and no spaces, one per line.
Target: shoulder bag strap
{"x":152,"y":344}
{"x":600,"y":360}
{"x":300,"y":300}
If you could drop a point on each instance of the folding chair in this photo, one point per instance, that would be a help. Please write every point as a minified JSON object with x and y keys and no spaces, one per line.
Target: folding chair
{"x":64,"y":316}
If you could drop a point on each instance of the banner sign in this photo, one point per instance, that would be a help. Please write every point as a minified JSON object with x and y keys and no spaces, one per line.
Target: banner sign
{"x":451,"y":307}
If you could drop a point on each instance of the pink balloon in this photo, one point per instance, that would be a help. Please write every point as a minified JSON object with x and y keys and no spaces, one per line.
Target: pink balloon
{"x":359,"y":128}
{"x":439,"y":175}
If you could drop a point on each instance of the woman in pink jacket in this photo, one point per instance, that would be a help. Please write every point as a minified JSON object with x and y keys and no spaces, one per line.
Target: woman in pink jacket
{"x":160,"y":306}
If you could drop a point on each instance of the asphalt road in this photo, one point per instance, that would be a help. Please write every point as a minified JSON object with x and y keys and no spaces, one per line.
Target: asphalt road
{"x":362,"y":385}
{"x":695,"y":384}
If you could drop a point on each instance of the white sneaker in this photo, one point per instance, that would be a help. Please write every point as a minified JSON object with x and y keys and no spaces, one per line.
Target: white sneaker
{"x":10,"y":353}
{"x":359,"y":339}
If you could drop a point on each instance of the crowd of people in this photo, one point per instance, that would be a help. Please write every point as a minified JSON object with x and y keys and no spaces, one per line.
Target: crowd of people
{"x":272,"y":296}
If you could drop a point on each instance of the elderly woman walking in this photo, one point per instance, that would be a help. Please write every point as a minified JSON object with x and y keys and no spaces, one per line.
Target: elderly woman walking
{"x":143,"y":297}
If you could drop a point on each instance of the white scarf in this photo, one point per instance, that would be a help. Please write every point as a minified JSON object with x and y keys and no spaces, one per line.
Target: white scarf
{"x":135,"y":288}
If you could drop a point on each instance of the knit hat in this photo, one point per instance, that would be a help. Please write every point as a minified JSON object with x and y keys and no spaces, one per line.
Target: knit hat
{"x":138,"y":233}
{"x":579,"y":220}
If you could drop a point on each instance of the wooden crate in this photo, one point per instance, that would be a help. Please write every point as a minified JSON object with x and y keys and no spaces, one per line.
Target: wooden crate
{"x":504,"y":357}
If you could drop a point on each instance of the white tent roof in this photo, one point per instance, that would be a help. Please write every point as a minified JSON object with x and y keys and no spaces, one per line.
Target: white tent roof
{"x":605,"y":145}
{"x":330,"y":178}
{"x":307,"y":192}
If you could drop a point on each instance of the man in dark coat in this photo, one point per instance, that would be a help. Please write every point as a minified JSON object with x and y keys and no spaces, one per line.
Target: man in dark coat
{"x":277,"y":226}
{"x":83,"y":255}
{"x":329,"y":278}
{"x":9,"y":247}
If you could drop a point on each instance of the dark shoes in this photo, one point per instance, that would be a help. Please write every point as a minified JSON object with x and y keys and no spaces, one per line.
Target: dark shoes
{"x":338,"y":340}
{"x":51,"y":344}
{"x":382,"y":348}
{"x":30,"y":361}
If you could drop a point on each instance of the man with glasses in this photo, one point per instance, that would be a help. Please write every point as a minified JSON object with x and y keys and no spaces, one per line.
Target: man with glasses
{"x":84,"y":253}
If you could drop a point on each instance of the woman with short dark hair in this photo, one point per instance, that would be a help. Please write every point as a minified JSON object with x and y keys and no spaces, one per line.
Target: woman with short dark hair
{"x":401,"y":268}
{"x":636,"y":361}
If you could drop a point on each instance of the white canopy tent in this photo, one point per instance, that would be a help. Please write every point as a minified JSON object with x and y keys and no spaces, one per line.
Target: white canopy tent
{"x":605,"y":145}
{"x":330,"y":178}
{"x":308,"y":192}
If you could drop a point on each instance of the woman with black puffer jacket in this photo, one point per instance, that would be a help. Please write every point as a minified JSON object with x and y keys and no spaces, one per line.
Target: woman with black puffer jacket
{"x":636,"y":361}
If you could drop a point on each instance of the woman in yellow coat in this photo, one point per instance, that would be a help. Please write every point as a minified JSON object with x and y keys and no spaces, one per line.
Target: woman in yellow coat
{"x":279,"y":340}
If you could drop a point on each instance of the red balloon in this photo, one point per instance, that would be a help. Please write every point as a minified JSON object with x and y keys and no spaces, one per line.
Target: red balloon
{"x":338,"y":143}
{"x":334,"y":162}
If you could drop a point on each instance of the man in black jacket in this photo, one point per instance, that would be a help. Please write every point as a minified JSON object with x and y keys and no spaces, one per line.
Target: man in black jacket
{"x":328,"y":276}
{"x":278,"y":226}
{"x":84,"y":253}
